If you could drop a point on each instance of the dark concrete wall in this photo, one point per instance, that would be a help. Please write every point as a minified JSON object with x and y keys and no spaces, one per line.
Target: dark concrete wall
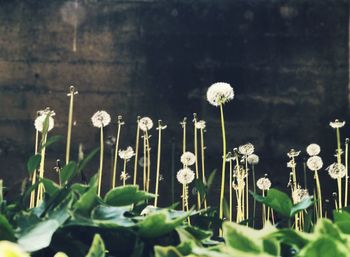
{"x":287,"y":60}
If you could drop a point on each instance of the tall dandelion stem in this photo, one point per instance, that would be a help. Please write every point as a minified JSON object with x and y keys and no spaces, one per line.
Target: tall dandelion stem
{"x":254,"y":190}
{"x":223,"y":162}
{"x":231,"y":176}
{"x":319,"y":194}
{"x":148,"y":161}
{"x":124,"y":177}
{"x":347,"y":172}
{"x":247,"y":188}
{"x":32,"y":194}
{"x":136,"y":150}
{"x":196,"y":156}
{"x":160,"y":128}
{"x":70,"y":121}
{"x":339,"y":162}
{"x":101,"y":162}
{"x":41,"y":170}
{"x":114,"y":176}
{"x":203,"y":164}
{"x":144,"y":162}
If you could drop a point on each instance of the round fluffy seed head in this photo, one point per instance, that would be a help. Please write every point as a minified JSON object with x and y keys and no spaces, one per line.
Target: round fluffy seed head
{"x":299,"y":195}
{"x":127,"y":153}
{"x":336,"y":170}
{"x":200,"y":124}
{"x":293,"y":153}
{"x":188,"y":158}
{"x":220,"y":93}
{"x":185,"y":176}
{"x":100,"y":119}
{"x":314,"y":163}
{"x":253,"y":159}
{"x":145,"y":124}
{"x":246,"y":149}
{"x":313,"y":149}
{"x":337,"y":124}
{"x":40,"y":120}
{"x":263,"y":183}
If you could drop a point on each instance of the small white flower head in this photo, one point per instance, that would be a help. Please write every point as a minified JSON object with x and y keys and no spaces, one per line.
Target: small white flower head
{"x":336,"y":170}
{"x":263,"y":183}
{"x":185,"y":176}
{"x":126,"y":154}
{"x":246,"y":149}
{"x":40,"y":120}
{"x":188,"y":158}
{"x":145,"y":124}
{"x":253,"y":159}
{"x":100,"y":119}
{"x":313,"y":149}
{"x":220,"y":93}
{"x":314,"y":163}
{"x":124,"y":176}
{"x":337,"y":124}
{"x":293,"y":153}
{"x":300,"y":195}
{"x":200,"y":124}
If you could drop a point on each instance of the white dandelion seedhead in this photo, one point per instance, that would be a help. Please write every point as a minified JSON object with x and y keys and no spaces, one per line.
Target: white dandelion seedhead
{"x":200,"y":124}
{"x":185,"y":176}
{"x":220,"y":93}
{"x":145,"y":124}
{"x":40,"y":120}
{"x":253,"y":159}
{"x":246,"y":149}
{"x":263,"y":183}
{"x":313,"y":149}
{"x":293,"y":153}
{"x":100,"y":119}
{"x":188,"y":158}
{"x":126,"y":154}
{"x":337,"y":124}
{"x":314,"y":163}
{"x":336,"y":170}
{"x":299,"y":195}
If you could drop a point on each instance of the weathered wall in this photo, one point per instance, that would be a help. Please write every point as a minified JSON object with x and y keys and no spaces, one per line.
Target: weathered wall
{"x":286,"y":60}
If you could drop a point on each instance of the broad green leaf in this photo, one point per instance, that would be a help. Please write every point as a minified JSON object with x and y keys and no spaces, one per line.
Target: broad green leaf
{"x":159,"y":223}
{"x":33,"y":163}
{"x":292,"y":237}
{"x":51,"y":140}
{"x":126,"y":195}
{"x":97,"y":248}
{"x":87,"y":202}
{"x":60,"y":212}
{"x":325,"y":246}
{"x":325,"y":227}
{"x":111,"y":217}
{"x":38,"y":236}
{"x":6,"y":230}
{"x":51,"y":188}
{"x":68,"y":172}
{"x":198,"y":184}
{"x":197,"y":233}
{"x":167,"y":251}
{"x":301,"y":206}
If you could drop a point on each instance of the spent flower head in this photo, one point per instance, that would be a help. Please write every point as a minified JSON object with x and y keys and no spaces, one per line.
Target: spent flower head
{"x":188,"y":158}
{"x":336,"y":170}
{"x":293,"y":153}
{"x":246,"y":149}
{"x":100,"y":119}
{"x":314,"y":163}
{"x":200,"y":124}
{"x":40,"y":120}
{"x":313,"y":149}
{"x":185,"y":176}
{"x":145,"y":123}
{"x":124,"y":175}
{"x":220,"y":93}
{"x":337,"y":124}
{"x":126,"y":154}
{"x":299,"y":195}
{"x":263,"y":183}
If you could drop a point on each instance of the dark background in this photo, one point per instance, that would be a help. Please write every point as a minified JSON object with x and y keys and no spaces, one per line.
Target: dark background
{"x":287,"y":61}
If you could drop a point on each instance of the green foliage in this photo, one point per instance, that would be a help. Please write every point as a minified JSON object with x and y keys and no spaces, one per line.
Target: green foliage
{"x":97,"y":248}
{"x":121,"y":196}
{"x":33,"y":163}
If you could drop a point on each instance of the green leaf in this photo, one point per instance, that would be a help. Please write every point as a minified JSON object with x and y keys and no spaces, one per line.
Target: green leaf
{"x":342,"y":220}
{"x":111,"y":217}
{"x":68,"y":172}
{"x":6,"y":230}
{"x":167,"y":251}
{"x":200,"y":187}
{"x":33,"y":163}
{"x":97,"y":248}
{"x":326,"y":227}
{"x":84,"y":162}
{"x":87,"y":202}
{"x":51,"y":140}
{"x":126,"y":195}
{"x":301,"y":206}
{"x":325,"y":246}
{"x":292,"y":237}
{"x":38,"y":236}
{"x":51,"y":188}
{"x":210,"y":180}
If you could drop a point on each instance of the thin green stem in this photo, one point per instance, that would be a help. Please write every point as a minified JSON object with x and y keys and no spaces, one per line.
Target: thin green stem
{"x":339,"y":163}
{"x":347,"y":172}
{"x":254,"y":190}
{"x":70,"y":122}
{"x":158,"y":163}
{"x":114,"y":177}
{"x":124,"y":177}
{"x":136,"y":150}
{"x":41,"y":170}
{"x":247,"y":189}
{"x":101,"y":162}
{"x":203,"y":165}
{"x":196,"y":162}
{"x":222,"y":193}
{"x":319,"y":194}
{"x":231,"y":176}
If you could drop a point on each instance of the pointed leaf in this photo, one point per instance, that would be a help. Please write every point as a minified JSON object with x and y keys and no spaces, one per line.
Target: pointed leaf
{"x":33,"y":163}
{"x":97,"y":248}
{"x":126,"y":195}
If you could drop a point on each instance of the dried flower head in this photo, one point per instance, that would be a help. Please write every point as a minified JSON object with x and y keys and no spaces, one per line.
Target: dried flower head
{"x":299,"y":195}
{"x":40,"y":120}
{"x":253,"y":159}
{"x":337,"y":124}
{"x":246,"y":149}
{"x":239,"y":184}
{"x":314,"y":163}
{"x":220,"y":93}
{"x":313,"y":149}
{"x":188,"y":158}
{"x":336,"y":170}
{"x":263,"y":183}
{"x":145,"y":124}
{"x":200,"y":124}
{"x":293,"y":153}
{"x":124,"y":175}
{"x":185,"y":176}
{"x":100,"y":119}
{"x":229,"y":157}
{"x":126,"y":154}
